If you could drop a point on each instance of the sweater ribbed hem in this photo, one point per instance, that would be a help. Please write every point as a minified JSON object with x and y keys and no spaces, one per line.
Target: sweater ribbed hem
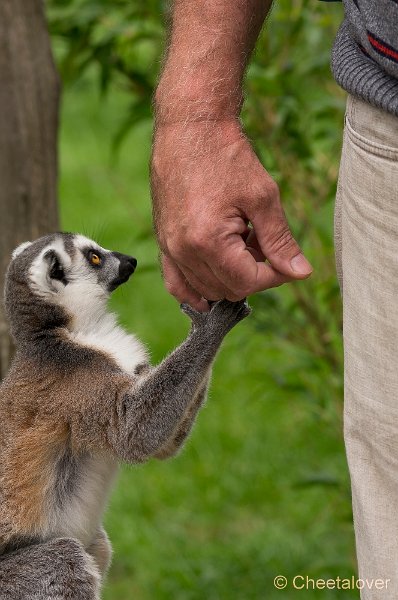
{"x":360,"y":75}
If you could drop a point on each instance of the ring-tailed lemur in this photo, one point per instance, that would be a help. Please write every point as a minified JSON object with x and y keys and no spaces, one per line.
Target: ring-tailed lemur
{"x":80,"y":396}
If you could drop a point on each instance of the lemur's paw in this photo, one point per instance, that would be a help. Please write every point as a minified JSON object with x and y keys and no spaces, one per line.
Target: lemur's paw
{"x":229,"y":313}
{"x":196,"y":317}
{"x":223,"y":314}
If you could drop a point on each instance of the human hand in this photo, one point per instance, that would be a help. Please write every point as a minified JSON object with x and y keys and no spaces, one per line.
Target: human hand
{"x":208,"y":186}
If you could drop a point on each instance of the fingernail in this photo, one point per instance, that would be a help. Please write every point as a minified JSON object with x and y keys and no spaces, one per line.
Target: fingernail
{"x":301,"y":265}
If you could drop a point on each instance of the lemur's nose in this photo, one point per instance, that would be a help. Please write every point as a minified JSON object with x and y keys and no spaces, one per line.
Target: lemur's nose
{"x":133,"y":261}
{"x":127,"y":264}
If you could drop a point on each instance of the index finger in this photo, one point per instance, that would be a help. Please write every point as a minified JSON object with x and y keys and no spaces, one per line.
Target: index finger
{"x":178,"y":286}
{"x":239,"y":271}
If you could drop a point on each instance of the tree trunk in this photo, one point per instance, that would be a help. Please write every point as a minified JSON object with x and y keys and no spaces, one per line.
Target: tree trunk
{"x":29,"y":99}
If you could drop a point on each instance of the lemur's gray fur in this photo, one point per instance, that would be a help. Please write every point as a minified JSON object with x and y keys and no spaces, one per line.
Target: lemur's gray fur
{"x":80,"y":397}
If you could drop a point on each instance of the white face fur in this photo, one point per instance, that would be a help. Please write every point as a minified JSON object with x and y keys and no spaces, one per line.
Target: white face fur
{"x":78,"y":275}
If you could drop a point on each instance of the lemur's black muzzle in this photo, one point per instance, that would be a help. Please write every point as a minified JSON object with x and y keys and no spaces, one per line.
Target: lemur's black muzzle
{"x":127,"y":265}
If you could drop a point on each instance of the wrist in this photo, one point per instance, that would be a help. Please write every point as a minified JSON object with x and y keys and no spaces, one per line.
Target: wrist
{"x":187,"y":141}
{"x":188,"y":97}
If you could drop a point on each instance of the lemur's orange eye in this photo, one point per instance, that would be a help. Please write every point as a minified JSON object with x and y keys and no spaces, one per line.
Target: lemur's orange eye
{"x":95,"y":259}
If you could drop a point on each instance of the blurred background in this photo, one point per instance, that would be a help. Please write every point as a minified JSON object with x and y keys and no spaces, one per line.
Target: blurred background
{"x":261,"y":488}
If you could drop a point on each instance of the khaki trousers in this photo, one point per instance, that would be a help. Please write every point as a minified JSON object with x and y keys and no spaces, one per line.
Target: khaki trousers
{"x":366,"y":246}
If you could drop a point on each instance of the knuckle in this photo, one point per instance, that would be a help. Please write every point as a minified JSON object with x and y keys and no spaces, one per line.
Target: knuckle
{"x":266,"y":194}
{"x":272,"y":191}
{"x":234,"y":297}
{"x":213,"y":296}
{"x":197,"y":241}
{"x":176,"y":248}
{"x":180,"y":246}
{"x":207,"y":290}
{"x":245,"y":292}
{"x":239,"y":293}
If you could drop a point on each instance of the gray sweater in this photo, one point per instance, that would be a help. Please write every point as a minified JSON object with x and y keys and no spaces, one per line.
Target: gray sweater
{"x":365,"y":52}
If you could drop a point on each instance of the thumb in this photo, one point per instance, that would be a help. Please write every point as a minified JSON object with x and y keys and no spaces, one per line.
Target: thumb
{"x":278,"y":244}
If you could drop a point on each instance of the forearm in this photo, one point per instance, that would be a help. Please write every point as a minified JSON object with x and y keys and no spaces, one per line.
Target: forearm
{"x":210,"y":44}
{"x":147,"y":416}
{"x":207,"y":183}
{"x":185,"y":425}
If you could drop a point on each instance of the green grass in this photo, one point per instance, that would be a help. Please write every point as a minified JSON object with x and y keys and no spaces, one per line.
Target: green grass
{"x":261,"y":487}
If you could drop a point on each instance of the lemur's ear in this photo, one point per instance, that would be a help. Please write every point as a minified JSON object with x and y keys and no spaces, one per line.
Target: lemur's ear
{"x":20,"y":249}
{"x":55,"y":267}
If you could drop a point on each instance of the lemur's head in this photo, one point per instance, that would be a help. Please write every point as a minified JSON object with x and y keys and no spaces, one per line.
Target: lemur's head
{"x":62,"y":277}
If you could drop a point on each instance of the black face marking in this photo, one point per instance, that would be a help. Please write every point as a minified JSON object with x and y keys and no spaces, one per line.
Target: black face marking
{"x":69,"y":243}
{"x":127,"y":265}
{"x":56,"y":269}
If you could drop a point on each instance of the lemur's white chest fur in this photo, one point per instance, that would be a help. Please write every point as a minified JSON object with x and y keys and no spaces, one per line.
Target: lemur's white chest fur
{"x":81,"y":516}
{"x":104,"y":334}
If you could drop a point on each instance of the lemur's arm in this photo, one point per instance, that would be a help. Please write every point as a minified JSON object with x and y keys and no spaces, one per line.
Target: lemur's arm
{"x":184,"y":427}
{"x":147,"y":416}
{"x":155,"y":414}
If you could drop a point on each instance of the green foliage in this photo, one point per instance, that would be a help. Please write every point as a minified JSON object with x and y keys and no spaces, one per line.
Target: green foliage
{"x":123,"y":39}
{"x":266,"y":463}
